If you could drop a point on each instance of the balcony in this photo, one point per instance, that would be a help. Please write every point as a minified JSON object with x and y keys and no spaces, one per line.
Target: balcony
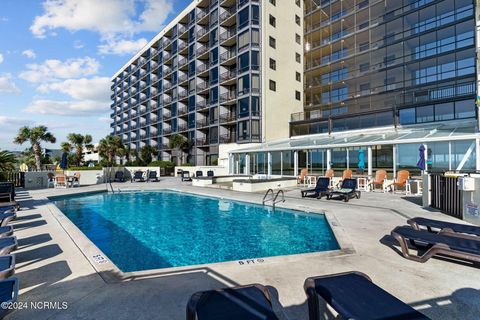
{"x":201,"y":142}
{"x":203,"y":34}
{"x":166,"y":146}
{"x":228,"y":117}
{"x":202,"y":123}
{"x":182,"y":111}
{"x":167,"y":131}
{"x":203,"y":105}
{"x":167,"y":86}
{"x":182,"y":127}
{"x":182,"y":94}
{"x":228,"y":37}
{"x":182,"y":78}
{"x":228,"y":77}
{"x":202,"y":70}
{"x":228,"y":98}
{"x":228,"y":57}
{"x":183,"y":62}
{"x":166,"y":100}
{"x":228,"y":17}
{"x":202,"y":17}
{"x":202,"y":52}
{"x":201,"y":87}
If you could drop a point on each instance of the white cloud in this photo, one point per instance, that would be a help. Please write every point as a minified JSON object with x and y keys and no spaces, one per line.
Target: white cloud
{"x":104,"y":119}
{"x":67,"y":108}
{"x":96,"y":88}
{"x":77,"y":44}
{"x":9,"y":122}
{"x":51,"y":70}
{"x":122,"y":46}
{"x":7,"y":85}
{"x":112,"y":19}
{"x":1,"y":58}
{"x":29,"y":54}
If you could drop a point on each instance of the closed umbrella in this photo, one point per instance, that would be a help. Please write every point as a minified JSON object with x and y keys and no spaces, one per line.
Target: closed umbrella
{"x":421,"y":159}
{"x":64,"y":161}
{"x":361,"y":160}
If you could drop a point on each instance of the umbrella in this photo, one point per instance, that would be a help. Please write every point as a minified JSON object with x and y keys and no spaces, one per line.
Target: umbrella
{"x":421,"y":160}
{"x":64,"y":161}
{"x":361,"y":160}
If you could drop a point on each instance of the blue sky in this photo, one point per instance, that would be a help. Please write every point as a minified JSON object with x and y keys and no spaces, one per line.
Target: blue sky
{"x":57,"y":58}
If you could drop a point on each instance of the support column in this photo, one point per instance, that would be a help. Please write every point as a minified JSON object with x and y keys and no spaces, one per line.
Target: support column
{"x":230,"y":164}
{"x":329,"y":159}
{"x":394,"y":155}
{"x":295,"y":163}
{"x":247,"y":165}
{"x":425,"y":155}
{"x":269,"y":163}
{"x":370,"y":160}
{"x":348,"y":159}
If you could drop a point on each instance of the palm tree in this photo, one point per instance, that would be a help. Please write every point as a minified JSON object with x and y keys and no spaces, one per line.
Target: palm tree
{"x":80,"y":142}
{"x":7,"y":161}
{"x":110,"y":147}
{"x":35,"y":136}
{"x":179,"y":143}
{"x":147,"y":153}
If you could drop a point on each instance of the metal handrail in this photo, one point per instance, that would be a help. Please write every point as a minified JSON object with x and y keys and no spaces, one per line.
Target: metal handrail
{"x":276,"y":196}
{"x":265,"y":196}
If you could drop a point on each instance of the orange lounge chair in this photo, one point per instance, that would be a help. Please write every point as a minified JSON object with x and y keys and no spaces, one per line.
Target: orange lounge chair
{"x":400,"y":181}
{"x":380,"y":176}
{"x":303,"y":175}
{"x":347,"y":174}
{"x":60,"y":181}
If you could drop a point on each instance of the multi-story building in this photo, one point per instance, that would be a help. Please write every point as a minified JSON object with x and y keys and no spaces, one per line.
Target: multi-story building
{"x":222,"y":72}
{"x":384,"y":77}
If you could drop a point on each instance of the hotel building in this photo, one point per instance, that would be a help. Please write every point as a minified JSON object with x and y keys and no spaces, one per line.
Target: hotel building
{"x":224,"y":74}
{"x":381,"y":77}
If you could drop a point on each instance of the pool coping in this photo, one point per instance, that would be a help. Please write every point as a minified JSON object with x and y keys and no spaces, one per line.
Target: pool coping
{"x":110,"y":273}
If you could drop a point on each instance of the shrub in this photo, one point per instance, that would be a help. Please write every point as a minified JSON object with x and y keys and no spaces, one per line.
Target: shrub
{"x":187,"y":165}
{"x":162,"y":164}
{"x":84,"y":168}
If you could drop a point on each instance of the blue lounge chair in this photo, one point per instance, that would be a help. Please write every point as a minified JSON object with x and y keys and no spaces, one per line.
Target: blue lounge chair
{"x":152,"y":176}
{"x":5,"y":218}
{"x":347,"y":190}
{"x":249,"y":302}
{"x":199,"y":173}
{"x":354,"y":296}
{"x":436,"y":244}
{"x":7,"y":195}
{"x":6,"y":231}
{"x":8,"y":293}
{"x":321,"y":189}
{"x":436,"y":226}
{"x":7,"y":245}
{"x":186,"y":176}
{"x":7,"y":266}
{"x":138,"y":177}
{"x":210,"y":173}
{"x":8,"y":209}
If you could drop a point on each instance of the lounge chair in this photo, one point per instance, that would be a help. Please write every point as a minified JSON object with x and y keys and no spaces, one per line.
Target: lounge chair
{"x":199,"y":173}
{"x":9,"y":293}
{"x":347,"y":190}
{"x":7,"y":266}
{"x":51,"y":180}
{"x":210,"y":173}
{"x":379,"y":180}
{"x":347,"y":174}
{"x":436,"y":244}
{"x":320,"y":190}
{"x":7,"y":245}
{"x":186,"y":176}
{"x":353,"y":295}
{"x":60,"y":181}
{"x":7,"y":195}
{"x":6,"y":231}
{"x":8,"y":209}
{"x":400,"y":181}
{"x":152,"y":176}
{"x":249,"y":302}
{"x":303,"y":176}
{"x":76,"y":179}
{"x":5,"y":218}
{"x":119,"y":177}
{"x":138,"y":177}
{"x":437,"y":226}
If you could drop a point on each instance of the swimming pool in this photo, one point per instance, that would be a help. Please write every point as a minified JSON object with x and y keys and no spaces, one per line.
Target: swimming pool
{"x":162,"y":229}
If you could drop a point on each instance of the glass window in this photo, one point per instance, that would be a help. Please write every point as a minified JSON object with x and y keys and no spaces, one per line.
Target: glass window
{"x":425,"y":114}
{"x":255,"y":15}
{"x":464,"y":109}
{"x":255,"y":106}
{"x":243,"y":39}
{"x":276,"y":162}
{"x":407,"y":157}
{"x":444,"y":111}
{"x":438,"y":156}
{"x":243,"y":107}
{"x":255,"y":60}
{"x":463,"y":155}
{"x":287,"y":163}
{"x":243,"y":61}
{"x":273,"y":85}
{"x":243,"y":18}
{"x":407,"y":116}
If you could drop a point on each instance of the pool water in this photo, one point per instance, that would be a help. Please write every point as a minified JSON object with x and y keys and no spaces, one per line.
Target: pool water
{"x":151,"y":230}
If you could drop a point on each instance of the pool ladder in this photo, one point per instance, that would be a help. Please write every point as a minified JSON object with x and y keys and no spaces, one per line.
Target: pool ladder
{"x":273,"y":198}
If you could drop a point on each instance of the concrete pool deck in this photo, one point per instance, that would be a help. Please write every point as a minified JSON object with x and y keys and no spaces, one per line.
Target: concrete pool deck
{"x":52,"y":268}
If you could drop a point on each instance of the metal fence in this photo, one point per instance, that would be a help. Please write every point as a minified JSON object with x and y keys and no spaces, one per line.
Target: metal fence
{"x":445,"y":195}
{"x":18,"y":178}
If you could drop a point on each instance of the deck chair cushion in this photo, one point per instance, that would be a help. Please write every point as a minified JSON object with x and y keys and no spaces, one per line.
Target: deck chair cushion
{"x":437,"y":224}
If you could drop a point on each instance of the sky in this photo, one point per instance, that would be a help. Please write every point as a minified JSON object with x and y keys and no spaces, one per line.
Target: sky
{"x":57,"y":58}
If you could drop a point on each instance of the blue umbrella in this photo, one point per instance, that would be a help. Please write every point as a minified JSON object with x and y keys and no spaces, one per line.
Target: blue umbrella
{"x":64,"y":162}
{"x":421,"y":160}
{"x":361,"y":160}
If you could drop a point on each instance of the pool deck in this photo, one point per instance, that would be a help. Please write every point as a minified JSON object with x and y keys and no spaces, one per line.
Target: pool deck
{"x":51,"y":267}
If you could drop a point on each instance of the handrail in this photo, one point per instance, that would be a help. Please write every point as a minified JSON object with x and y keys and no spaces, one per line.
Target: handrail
{"x":276,"y":196}
{"x":265,"y":196}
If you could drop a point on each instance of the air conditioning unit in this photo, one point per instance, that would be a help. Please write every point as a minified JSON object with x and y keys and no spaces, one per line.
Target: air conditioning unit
{"x":466,"y":184}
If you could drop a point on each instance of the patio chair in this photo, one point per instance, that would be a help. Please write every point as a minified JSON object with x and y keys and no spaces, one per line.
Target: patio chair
{"x":347,"y":190}
{"x":76,"y":179}
{"x":437,"y":226}
{"x":353,"y":295}
{"x":9,"y":294}
{"x":5,"y":218}
{"x":138,"y":176}
{"x":51,"y":180}
{"x":60,"y":181}
{"x":7,"y":266}
{"x":6,"y":231}
{"x":250,"y":302}
{"x":186,"y":176}
{"x":320,"y":190}
{"x":210,"y":173}
{"x":347,"y":174}
{"x":303,"y":176}
{"x":436,"y":244}
{"x":119,"y":176}
{"x":8,"y":245}
{"x":400,"y":181}
{"x":7,"y":195}
{"x":8,"y":209}
{"x":379,"y":180}
{"x":198,"y":173}
{"x":152,"y":176}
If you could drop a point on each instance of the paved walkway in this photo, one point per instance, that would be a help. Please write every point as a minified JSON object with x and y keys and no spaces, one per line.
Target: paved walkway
{"x":51,"y":267}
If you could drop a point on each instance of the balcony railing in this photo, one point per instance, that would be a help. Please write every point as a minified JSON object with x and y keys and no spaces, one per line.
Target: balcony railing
{"x":227,"y":138}
{"x":227,"y":96}
{"x":202,"y":105}
{"x":227,"y":14}
{"x":228,"y":75}
{"x":228,"y":55}
{"x":202,"y":123}
{"x":202,"y":86}
{"x":167,"y":130}
{"x":227,"y":34}
{"x":228,"y":117}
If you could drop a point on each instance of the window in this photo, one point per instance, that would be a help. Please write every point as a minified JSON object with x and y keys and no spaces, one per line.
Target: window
{"x":272,"y":21}
{"x":243,"y":61}
{"x":274,"y":2}
{"x":363,"y":46}
{"x":298,"y":39}
{"x":243,"y":39}
{"x":298,"y":95}
{"x":364,"y":67}
{"x":298,"y":57}
{"x":297,"y":2}
{"x":255,"y":15}
{"x":273,"y":64}
{"x":273,"y":85}
{"x":298,"y":76}
{"x":297,"y":20}
{"x":272,"y":42}
{"x":243,"y":18}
